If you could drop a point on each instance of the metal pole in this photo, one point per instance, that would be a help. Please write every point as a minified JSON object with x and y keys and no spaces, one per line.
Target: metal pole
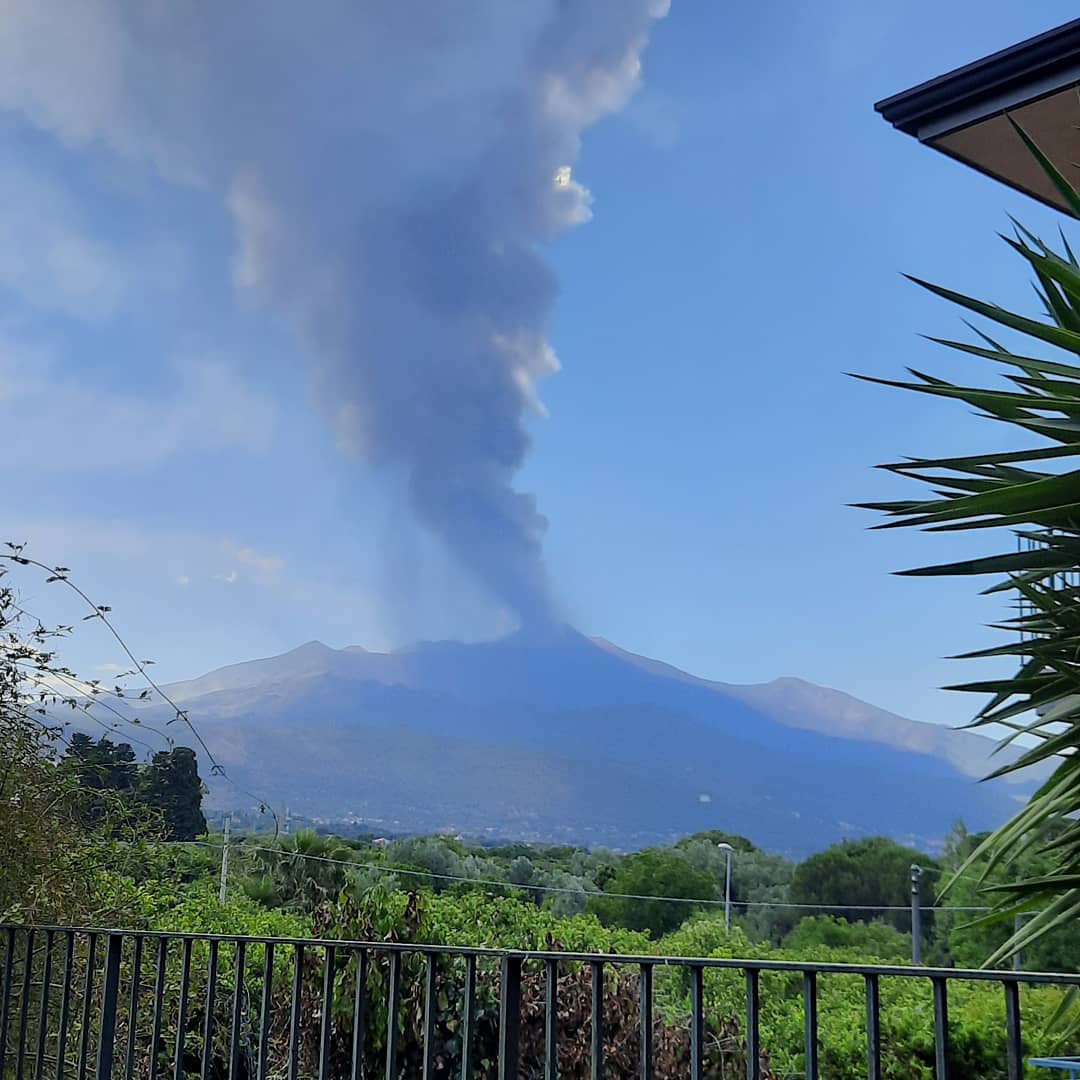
{"x":916,"y":915}
{"x":728,"y":851}
{"x":727,"y":894}
{"x":225,"y":860}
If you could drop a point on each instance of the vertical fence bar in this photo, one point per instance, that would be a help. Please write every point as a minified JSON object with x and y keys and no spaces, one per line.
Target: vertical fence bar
{"x":551,"y":1019}
{"x":181,"y":1010}
{"x":24,"y":1005}
{"x":753,"y":1025}
{"x":1013,"y":1041}
{"x":359,"y":1004}
{"x":597,"y":1056}
{"x":110,"y":992}
{"x":264,"y":1011}
{"x":392,"y":1002}
{"x":873,"y":1028}
{"x":239,"y":994}
{"x":645,"y":1019}
{"x":43,"y":1007}
{"x":941,"y":1029}
{"x":468,"y":1019}
{"x":88,"y":997}
{"x":159,"y":1006}
{"x":430,"y":1009}
{"x":133,"y":1007}
{"x":9,"y":967}
{"x":65,"y":1006}
{"x":810,"y":1014}
{"x":327,"y":1010}
{"x":509,"y":1017}
{"x":697,"y":1023}
{"x":294,"y":1021}
{"x":208,"y":1014}
{"x":5,"y":1004}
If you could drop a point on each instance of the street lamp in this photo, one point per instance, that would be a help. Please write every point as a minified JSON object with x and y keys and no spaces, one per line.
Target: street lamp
{"x":729,"y":851}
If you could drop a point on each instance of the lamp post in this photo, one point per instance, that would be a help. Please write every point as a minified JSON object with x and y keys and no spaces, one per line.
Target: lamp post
{"x":729,"y":851}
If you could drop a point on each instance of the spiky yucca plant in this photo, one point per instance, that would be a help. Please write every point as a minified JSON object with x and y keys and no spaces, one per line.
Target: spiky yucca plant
{"x":1036,"y":493}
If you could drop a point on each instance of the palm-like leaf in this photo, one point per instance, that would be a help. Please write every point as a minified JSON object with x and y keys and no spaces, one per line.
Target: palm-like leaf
{"x":1036,"y":493}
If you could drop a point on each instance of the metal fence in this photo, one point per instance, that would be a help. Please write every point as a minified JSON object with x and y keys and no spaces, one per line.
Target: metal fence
{"x":80,"y":1003}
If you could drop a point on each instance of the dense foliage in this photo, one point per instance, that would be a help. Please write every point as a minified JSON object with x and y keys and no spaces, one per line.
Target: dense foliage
{"x":169,"y":784}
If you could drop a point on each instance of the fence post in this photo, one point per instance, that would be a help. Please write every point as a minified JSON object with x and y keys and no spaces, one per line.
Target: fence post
{"x":109,"y":992}
{"x":509,"y":1018}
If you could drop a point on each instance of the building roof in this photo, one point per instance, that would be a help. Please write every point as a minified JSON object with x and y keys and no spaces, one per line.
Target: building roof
{"x":963,"y":113}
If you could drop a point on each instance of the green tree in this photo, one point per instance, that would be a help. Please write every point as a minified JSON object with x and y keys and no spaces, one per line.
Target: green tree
{"x":96,"y":767}
{"x":714,"y":837}
{"x":171,"y":785}
{"x":872,"y":874}
{"x":300,"y":872}
{"x":651,"y":873}
{"x":55,"y":865}
{"x":759,"y":880}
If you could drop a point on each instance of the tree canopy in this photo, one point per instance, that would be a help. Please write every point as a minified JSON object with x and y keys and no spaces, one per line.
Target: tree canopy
{"x":652,"y":873}
{"x":872,"y":875}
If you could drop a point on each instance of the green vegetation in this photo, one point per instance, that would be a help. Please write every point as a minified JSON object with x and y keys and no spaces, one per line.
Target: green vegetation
{"x":1034,"y":492}
{"x":653,"y":873}
{"x":91,"y":836}
{"x":873,"y":874}
{"x":169,"y":785}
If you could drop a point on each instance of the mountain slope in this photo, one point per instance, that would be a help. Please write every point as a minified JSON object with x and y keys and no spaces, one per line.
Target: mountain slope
{"x":557,"y":735}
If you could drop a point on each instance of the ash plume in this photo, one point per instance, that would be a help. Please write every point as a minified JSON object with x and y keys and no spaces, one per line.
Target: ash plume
{"x":392,"y":169}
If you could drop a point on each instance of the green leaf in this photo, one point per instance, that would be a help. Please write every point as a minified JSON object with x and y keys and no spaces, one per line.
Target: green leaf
{"x":1053,"y":335}
{"x":1064,"y":188}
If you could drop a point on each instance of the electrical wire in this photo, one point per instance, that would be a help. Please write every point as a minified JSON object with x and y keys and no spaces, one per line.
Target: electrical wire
{"x":101,"y":612}
{"x":287,"y":855}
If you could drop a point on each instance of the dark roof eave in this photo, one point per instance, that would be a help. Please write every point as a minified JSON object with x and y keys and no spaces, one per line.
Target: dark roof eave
{"x":1031,"y":64}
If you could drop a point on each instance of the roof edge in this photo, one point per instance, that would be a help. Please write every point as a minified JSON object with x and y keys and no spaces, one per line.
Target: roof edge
{"x":1036,"y":59}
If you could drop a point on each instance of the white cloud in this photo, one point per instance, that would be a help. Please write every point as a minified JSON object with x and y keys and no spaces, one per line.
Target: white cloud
{"x":183,"y":579}
{"x":55,"y":421}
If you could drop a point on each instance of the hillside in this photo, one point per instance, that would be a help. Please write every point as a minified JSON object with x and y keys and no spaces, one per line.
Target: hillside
{"x":559,"y":736}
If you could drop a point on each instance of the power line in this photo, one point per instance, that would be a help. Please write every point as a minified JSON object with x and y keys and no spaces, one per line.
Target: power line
{"x":285,"y":855}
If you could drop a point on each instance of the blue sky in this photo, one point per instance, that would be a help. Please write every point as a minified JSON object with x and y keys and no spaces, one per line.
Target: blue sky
{"x":751,"y":217}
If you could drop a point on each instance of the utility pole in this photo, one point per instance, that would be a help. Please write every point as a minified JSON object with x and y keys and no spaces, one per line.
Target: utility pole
{"x":916,"y":915}
{"x":225,"y":859}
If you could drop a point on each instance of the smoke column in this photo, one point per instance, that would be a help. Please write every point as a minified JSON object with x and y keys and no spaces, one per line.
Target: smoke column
{"x":392,"y":169}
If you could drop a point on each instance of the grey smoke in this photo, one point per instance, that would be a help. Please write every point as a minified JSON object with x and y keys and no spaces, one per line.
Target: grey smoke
{"x":393,"y":169}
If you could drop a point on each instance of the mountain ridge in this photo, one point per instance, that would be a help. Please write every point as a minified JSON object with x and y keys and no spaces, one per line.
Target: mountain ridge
{"x":558,"y":736}
{"x":822,"y":709}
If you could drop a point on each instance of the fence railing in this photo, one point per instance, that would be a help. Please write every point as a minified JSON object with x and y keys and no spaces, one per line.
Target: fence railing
{"x":76,"y":1004}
